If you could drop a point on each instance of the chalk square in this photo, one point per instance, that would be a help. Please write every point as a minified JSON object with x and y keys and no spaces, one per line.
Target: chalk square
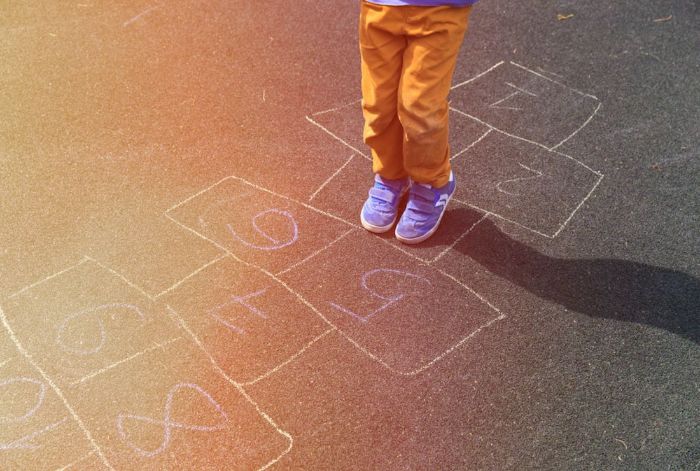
{"x":36,"y":429}
{"x":86,"y":319}
{"x":346,"y":124}
{"x":345,"y":194}
{"x":267,"y":230}
{"x":523,"y":183}
{"x":169,"y":407}
{"x":525,"y":103}
{"x":249,"y":323}
{"x":401,"y":312}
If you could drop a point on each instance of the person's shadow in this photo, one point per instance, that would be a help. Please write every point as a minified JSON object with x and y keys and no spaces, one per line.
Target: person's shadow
{"x":608,"y":288}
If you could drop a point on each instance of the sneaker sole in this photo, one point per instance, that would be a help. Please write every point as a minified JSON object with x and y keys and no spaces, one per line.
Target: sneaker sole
{"x":427,"y":235}
{"x":376,"y":229}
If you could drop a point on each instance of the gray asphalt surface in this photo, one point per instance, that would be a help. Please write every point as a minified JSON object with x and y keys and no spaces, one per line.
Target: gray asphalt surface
{"x":551,"y":323}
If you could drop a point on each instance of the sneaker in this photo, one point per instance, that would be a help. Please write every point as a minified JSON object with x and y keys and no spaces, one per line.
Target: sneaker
{"x":380,"y":210}
{"x":425,"y":208}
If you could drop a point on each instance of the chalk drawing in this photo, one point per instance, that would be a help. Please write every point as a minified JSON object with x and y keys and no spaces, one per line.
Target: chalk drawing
{"x":40,"y":396}
{"x":538,"y":174}
{"x":26,"y":442}
{"x":89,"y":313}
{"x":303,"y":300}
{"x":168,"y":424}
{"x":390,"y":300}
{"x":243,"y":301}
{"x":275,"y":244}
{"x":25,"y":353}
{"x":236,"y":385}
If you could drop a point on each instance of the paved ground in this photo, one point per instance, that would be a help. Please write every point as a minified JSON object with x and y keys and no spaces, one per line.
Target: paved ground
{"x":183,"y":284}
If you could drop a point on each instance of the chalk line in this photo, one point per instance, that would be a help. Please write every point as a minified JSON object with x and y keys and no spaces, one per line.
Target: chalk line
{"x":5,"y":362}
{"x":458,"y":240}
{"x":554,"y":81}
{"x":489,"y":213}
{"x":322,"y":249}
{"x":579,"y":206}
{"x":338,"y":138}
{"x":549,"y":72}
{"x":26,"y":288}
{"x":581,"y":127}
{"x":264,"y":190}
{"x":25,"y":441}
{"x":56,"y":389}
{"x":323,"y":185}
{"x":79,"y":460}
{"x":478,"y":76}
{"x":330,"y":110}
{"x":238,"y":386}
{"x":156,"y":346}
{"x":289,"y":360}
{"x":519,"y":138}
{"x":198,"y":270}
{"x":298,"y":295}
{"x":488,"y":131}
{"x":122,"y":277}
{"x":143,"y":13}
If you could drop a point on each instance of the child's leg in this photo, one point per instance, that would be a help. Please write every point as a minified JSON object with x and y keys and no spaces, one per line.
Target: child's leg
{"x":382,"y":46}
{"x":435,"y":36}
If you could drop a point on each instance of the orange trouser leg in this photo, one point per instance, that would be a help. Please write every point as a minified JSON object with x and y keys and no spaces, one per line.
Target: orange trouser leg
{"x":408,"y":58}
{"x":435,"y":36}
{"x":382,"y":45}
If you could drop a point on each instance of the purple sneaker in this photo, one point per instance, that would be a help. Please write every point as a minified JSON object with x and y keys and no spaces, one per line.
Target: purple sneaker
{"x":425,"y":208}
{"x":380,"y":210}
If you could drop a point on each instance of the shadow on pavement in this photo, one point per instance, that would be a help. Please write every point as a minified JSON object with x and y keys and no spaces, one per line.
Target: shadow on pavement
{"x":607,"y":288}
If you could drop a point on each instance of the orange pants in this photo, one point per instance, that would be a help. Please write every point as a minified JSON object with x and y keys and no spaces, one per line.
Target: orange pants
{"x":408,"y":56}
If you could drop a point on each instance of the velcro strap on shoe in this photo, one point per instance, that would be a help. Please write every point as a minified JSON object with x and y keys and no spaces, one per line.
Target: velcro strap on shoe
{"x":424,"y":193}
{"x":383,"y":195}
{"x":420,"y":206}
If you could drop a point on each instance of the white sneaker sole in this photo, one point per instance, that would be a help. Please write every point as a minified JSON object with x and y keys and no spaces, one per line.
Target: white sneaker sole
{"x":377,"y":229}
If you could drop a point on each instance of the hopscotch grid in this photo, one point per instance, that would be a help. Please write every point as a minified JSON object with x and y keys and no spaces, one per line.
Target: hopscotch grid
{"x":55,"y":388}
{"x":298,"y":295}
{"x":338,"y":138}
{"x":50,"y":277}
{"x":323,"y":185}
{"x":289,"y":360}
{"x":156,"y":346}
{"x":238,"y":387}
